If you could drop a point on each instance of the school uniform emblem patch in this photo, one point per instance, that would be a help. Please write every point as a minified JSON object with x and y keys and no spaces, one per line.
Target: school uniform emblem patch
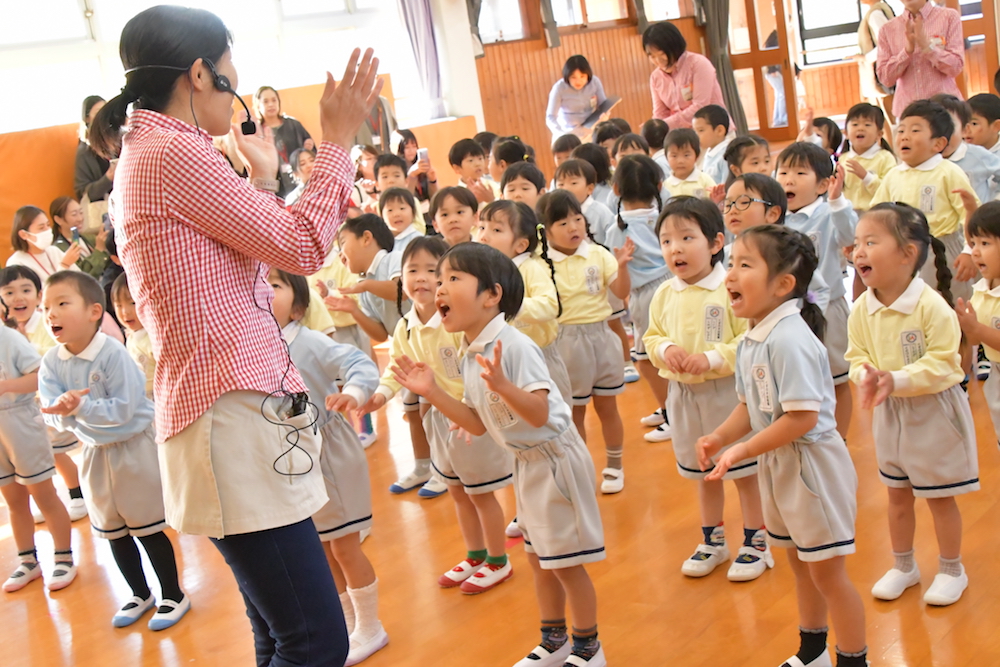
{"x":913,"y":345}
{"x":502,"y":415}
{"x":592,"y":278}
{"x":762,"y":380}
{"x":713,"y":324}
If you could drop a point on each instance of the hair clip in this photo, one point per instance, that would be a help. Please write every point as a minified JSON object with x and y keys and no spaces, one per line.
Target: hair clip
{"x":811,"y":297}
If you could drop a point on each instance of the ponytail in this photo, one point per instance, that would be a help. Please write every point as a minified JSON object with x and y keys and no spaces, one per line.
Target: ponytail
{"x":942,"y":271}
{"x":813,"y":316}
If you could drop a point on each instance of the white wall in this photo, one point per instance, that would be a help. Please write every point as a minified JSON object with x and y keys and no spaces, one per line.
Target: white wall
{"x":459,"y":79}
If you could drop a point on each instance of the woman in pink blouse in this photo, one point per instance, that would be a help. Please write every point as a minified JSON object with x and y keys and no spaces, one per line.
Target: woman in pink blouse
{"x":238,"y":458}
{"x":683,"y":82}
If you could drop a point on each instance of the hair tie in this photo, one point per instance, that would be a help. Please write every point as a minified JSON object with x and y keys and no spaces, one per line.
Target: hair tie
{"x":540,"y":227}
{"x":811,"y":297}
{"x":129,"y":94}
{"x":526,"y":156}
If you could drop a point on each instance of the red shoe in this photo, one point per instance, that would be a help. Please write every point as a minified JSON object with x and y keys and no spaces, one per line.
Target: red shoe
{"x":487,"y":577}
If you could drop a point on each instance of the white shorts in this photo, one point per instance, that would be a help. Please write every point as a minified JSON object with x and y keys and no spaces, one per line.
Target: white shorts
{"x":808,"y":492}
{"x":991,"y":390}
{"x":411,"y":402}
{"x":25,"y":453}
{"x":122,"y":489}
{"x":345,"y":474}
{"x":62,"y":442}
{"x":953,"y":245}
{"x":597,"y":368}
{"x":835,"y":339}
{"x":558,"y":372}
{"x":927,"y":443}
{"x":617,"y":307}
{"x":638,"y":310}
{"x":354,"y":336}
{"x":696,"y":410}
{"x":557,"y":502}
{"x":481,"y":466}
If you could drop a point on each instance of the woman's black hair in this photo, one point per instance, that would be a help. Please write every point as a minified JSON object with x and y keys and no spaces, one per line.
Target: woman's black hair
{"x":598,"y":159}
{"x":566,"y":143}
{"x":463,"y":196}
{"x":909,"y":225}
{"x":697,"y":209}
{"x":833,"y":133}
{"x":524,"y":224}
{"x":630,"y":140}
{"x":737,"y":150}
{"x":159,"y":45}
{"x":434,"y":245}
{"x":606,"y":131}
{"x":865,"y":111}
{"x":786,"y":250}
{"x":655,"y":131}
{"x":985,"y":221}
{"x":574,"y":64}
{"x":804,"y":153}
{"x":559,"y":205}
{"x":510,"y":150}
{"x":405,"y":137}
{"x":667,"y":38}
{"x":399,"y":194}
{"x":767,"y":189}
{"x":526,"y":170}
{"x":491,"y":268}
{"x":300,"y":289}
{"x":256,"y":100}
{"x":293,"y":159}
{"x":638,"y":180}
{"x":369,"y":222}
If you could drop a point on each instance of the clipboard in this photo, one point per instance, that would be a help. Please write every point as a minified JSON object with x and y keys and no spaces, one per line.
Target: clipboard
{"x":602,"y":108}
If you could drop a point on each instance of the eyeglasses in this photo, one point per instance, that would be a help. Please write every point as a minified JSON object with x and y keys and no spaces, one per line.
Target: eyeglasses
{"x":742,"y":203}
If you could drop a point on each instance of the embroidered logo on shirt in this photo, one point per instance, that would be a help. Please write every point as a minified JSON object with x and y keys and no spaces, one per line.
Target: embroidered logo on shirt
{"x":762,"y":379}
{"x":700,"y":193}
{"x":592,"y":277}
{"x":927,"y":195}
{"x":503,"y":416}
{"x":913,"y":345}
{"x":814,"y":237}
{"x":449,"y":359}
{"x":713,"y":324}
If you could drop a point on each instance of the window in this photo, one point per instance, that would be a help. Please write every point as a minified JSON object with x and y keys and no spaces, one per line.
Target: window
{"x":500,"y":21}
{"x":661,"y":10}
{"x":291,"y":9}
{"x":828,"y":31}
{"x":584,"y":12}
{"x":51,"y":21}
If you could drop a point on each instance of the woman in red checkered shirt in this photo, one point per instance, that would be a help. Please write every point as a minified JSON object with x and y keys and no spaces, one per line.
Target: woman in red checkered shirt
{"x":238,"y":459}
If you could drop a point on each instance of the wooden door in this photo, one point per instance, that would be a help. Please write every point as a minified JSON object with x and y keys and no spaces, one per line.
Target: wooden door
{"x":979,"y":29}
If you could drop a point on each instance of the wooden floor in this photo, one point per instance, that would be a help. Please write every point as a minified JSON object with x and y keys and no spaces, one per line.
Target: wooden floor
{"x":649,"y":613}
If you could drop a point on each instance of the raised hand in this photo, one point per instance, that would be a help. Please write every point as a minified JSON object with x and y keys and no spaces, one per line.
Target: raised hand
{"x":718,"y":193}
{"x":67,"y":403}
{"x":969,"y":201}
{"x":624,"y":254}
{"x":321,"y":288}
{"x":965,"y":268}
{"x":855,"y":168}
{"x":341,"y":304}
{"x":343,"y":108}
{"x":967,"y":317}
{"x":493,"y":373}
{"x":415,"y":376}
{"x":837,"y":183}
{"x":483,"y":193}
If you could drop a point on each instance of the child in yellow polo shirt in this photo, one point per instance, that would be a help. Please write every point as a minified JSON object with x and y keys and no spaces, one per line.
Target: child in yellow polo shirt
{"x":903,"y":349}
{"x":683,"y":148}
{"x":868,"y":157}
{"x":692,"y":339}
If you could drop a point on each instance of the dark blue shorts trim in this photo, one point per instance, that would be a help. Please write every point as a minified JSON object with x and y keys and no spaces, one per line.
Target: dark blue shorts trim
{"x":573,"y":555}
{"x":345,"y":525}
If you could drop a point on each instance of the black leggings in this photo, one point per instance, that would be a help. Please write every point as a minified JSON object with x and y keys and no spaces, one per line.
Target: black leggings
{"x":161,"y":555}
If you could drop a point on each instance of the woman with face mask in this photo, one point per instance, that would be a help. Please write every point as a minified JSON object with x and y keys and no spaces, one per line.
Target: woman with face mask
{"x":32,"y":238}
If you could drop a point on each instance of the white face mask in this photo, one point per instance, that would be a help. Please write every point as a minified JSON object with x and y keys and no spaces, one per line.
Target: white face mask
{"x":42,"y":239}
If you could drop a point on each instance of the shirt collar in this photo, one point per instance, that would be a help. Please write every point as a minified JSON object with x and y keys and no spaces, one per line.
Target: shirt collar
{"x":657,"y":154}
{"x":32,"y":324}
{"x":143,"y":118}
{"x":587,"y":204}
{"x":331,"y":257}
{"x":291,"y":331}
{"x":710,"y":282}
{"x":924,"y":166}
{"x":996,"y":147}
{"x":487,"y":335}
{"x":906,"y":303}
{"x":984,"y":286}
{"x":407,"y":233}
{"x":581,"y":251}
{"x":413,"y":320}
{"x":376,"y":260}
{"x":521,"y":259}
{"x":716,"y":149}
{"x":810,"y":209}
{"x":691,"y":178}
{"x":871,"y":152}
{"x":960,"y":152}
{"x":89,"y":353}
{"x":926,"y":10}
{"x":762,"y":329}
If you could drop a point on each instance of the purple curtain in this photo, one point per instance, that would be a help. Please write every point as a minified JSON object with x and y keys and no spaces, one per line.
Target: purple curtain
{"x":416,"y":16}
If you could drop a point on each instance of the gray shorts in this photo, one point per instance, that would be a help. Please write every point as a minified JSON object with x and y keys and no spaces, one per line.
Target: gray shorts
{"x":991,"y":390}
{"x":835,"y":339}
{"x":61,"y":442}
{"x":345,"y":475}
{"x":355,"y":337}
{"x":696,"y":410}
{"x":411,"y":402}
{"x":25,"y":453}
{"x":481,"y":466}
{"x":638,"y":310}
{"x":808,"y":492}
{"x":122,"y":488}
{"x":617,"y":306}
{"x":557,"y":502}
{"x":927,"y":443}
{"x":953,"y":245}
{"x":597,"y":368}
{"x":558,"y":372}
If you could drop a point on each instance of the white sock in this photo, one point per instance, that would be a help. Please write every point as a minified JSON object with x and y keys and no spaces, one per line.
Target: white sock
{"x":345,"y":602}
{"x":421,"y":465}
{"x":365,"y":602}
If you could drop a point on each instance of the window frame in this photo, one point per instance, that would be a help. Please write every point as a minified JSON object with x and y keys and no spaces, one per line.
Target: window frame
{"x":584,"y":25}
{"x":826,"y":31}
{"x":90,"y":36}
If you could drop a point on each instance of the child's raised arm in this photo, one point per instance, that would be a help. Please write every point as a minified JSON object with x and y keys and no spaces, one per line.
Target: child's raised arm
{"x":622,"y":284}
{"x":370,"y":326}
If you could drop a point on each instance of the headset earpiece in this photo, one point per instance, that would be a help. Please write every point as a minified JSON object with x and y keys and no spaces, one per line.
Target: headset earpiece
{"x":221,"y":83}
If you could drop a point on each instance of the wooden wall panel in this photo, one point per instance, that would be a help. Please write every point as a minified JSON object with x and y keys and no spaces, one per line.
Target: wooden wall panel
{"x":515,"y":79}
{"x":832,"y":89}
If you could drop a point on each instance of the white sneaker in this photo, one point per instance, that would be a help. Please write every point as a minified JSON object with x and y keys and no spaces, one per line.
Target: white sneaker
{"x":77,"y":509}
{"x":661,"y":433}
{"x":655,"y":419}
{"x":360,"y":652}
{"x":169,"y":612}
{"x":597,"y":661}
{"x":946,"y":589}
{"x":36,"y":513}
{"x":705,"y":559}
{"x":894,"y":582}
{"x":616,"y":482}
{"x":433,"y":488}
{"x":62,"y":576}
{"x":750,"y":564}
{"x":132,"y":611}
{"x":456,"y":575}
{"x":21,"y":577}
{"x":487,"y":577}
{"x":410,"y":481}
{"x":823,"y":660}
{"x":631,"y":374}
{"x":539,"y":657}
{"x":365,"y":532}
{"x":513,"y":530}
{"x":367,"y":439}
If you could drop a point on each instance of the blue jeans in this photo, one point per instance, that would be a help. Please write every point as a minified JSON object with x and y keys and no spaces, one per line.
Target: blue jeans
{"x":290,"y":596}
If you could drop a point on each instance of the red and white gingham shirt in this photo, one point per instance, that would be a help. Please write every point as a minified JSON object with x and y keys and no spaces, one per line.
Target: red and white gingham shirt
{"x":196,"y":241}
